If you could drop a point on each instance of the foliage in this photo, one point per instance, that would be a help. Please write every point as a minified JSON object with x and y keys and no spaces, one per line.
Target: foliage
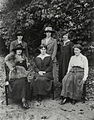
{"x":73,"y":16}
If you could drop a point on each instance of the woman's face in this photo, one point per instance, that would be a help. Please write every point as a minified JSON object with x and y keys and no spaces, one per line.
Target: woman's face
{"x":77,"y":51}
{"x":19,"y":37}
{"x":48,"y":34}
{"x":18,"y":52}
{"x":43,"y":51}
{"x":65,"y":37}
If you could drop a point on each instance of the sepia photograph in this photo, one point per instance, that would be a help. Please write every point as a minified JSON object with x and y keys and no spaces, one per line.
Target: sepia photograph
{"x":46,"y":59}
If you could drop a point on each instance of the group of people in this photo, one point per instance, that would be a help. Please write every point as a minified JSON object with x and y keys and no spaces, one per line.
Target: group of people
{"x":73,"y":69}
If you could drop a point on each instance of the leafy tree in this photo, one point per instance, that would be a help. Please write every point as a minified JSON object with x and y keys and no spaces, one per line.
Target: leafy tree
{"x":73,"y":16}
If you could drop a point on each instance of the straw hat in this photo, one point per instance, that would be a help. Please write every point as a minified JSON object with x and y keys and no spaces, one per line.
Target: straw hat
{"x":49,"y":29}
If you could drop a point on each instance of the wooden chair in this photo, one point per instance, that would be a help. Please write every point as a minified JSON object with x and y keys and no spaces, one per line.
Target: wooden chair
{"x":7,"y":79}
{"x":84,"y":93}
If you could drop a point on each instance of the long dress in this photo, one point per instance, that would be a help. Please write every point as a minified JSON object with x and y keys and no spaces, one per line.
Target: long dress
{"x":66,"y":52}
{"x":72,"y":83}
{"x":42,"y":83}
{"x":17,"y":78}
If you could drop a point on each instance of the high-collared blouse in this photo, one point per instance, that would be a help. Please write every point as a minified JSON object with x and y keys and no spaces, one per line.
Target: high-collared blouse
{"x":80,"y":61}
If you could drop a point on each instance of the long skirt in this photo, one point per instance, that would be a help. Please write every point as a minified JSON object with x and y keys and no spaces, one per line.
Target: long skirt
{"x":72,"y":84}
{"x":17,"y":88}
{"x":41,"y":86}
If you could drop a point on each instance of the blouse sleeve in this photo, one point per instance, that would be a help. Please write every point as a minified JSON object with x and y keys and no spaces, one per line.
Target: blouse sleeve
{"x":54,"y":49}
{"x":70,"y":64}
{"x":85,"y":68}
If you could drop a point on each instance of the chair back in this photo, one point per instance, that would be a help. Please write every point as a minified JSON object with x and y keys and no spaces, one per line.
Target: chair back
{"x":6,"y":72}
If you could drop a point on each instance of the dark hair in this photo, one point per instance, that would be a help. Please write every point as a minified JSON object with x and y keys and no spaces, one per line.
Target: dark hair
{"x":77,"y":46}
{"x":42,"y":46}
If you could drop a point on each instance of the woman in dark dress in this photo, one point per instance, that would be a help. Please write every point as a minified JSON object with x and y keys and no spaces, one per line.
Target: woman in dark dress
{"x":17,"y":65}
{"x":66,"y":51}
{"x":44,"y":73}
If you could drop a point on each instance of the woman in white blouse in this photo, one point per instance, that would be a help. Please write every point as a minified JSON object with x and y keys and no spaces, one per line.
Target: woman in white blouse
{"x":72,"y":83}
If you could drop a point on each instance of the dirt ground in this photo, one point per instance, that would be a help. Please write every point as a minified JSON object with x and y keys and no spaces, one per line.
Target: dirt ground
{"x":48,"y":109}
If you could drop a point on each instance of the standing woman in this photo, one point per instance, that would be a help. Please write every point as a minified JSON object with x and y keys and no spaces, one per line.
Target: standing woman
{"x":66,"y":51}
{"x":44,"y":75}
{"x":18,"y":41}
{"x":72,"y":83}
{"x":17,"y":65}
{"x":51,"y":44}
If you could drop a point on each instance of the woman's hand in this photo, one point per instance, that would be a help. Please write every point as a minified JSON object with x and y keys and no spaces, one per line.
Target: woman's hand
{"x":41,"y":72}
{"x":28,"y":64}
{"x":6,"y":83}
{"x":84,"y":79}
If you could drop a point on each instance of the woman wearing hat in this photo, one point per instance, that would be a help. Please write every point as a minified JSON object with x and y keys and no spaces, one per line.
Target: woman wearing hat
{"x":19,"y":41}
{"x":72,"y":83}
{"x":51,"y":44}
{"x":17,"y":65}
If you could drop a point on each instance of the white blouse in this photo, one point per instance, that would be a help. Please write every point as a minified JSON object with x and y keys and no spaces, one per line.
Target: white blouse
{"x":80,"y":61}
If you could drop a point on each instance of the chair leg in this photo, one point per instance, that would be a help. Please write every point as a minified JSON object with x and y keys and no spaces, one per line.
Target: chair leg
{"x":84,"y":93}
{"x":6,"y":94}
{"x":53,"y":90}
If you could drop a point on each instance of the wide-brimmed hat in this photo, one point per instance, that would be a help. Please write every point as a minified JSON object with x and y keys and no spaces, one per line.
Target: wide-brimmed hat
{"x":19,"y":33}
{"x":18,"y":47}
{"x":49,"y":29}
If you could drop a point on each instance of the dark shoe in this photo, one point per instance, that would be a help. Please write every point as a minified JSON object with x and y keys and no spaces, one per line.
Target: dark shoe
{"x":84,"y":100}
{"x":73,"y":102}
{"x":63,"y":101}
{"x":39,"y":98}
{"x":25,"y":105}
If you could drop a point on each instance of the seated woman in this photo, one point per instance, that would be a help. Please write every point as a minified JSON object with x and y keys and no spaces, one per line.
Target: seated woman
{"x":72,"y":83}
{"x":43,"y":74}
{"x":17,"y":65}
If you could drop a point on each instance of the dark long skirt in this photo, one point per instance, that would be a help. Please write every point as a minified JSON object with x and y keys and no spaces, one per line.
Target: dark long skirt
{"x":41,"y":86}
{"x":72,"y":84}
{"x":17,"y":88}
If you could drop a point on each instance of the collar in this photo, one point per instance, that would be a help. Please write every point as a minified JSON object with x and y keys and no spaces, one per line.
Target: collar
{"x":80,"y":55}
{"x":19,"y":41}
{"x":43,"y":56}
{"x":66,"y":41}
